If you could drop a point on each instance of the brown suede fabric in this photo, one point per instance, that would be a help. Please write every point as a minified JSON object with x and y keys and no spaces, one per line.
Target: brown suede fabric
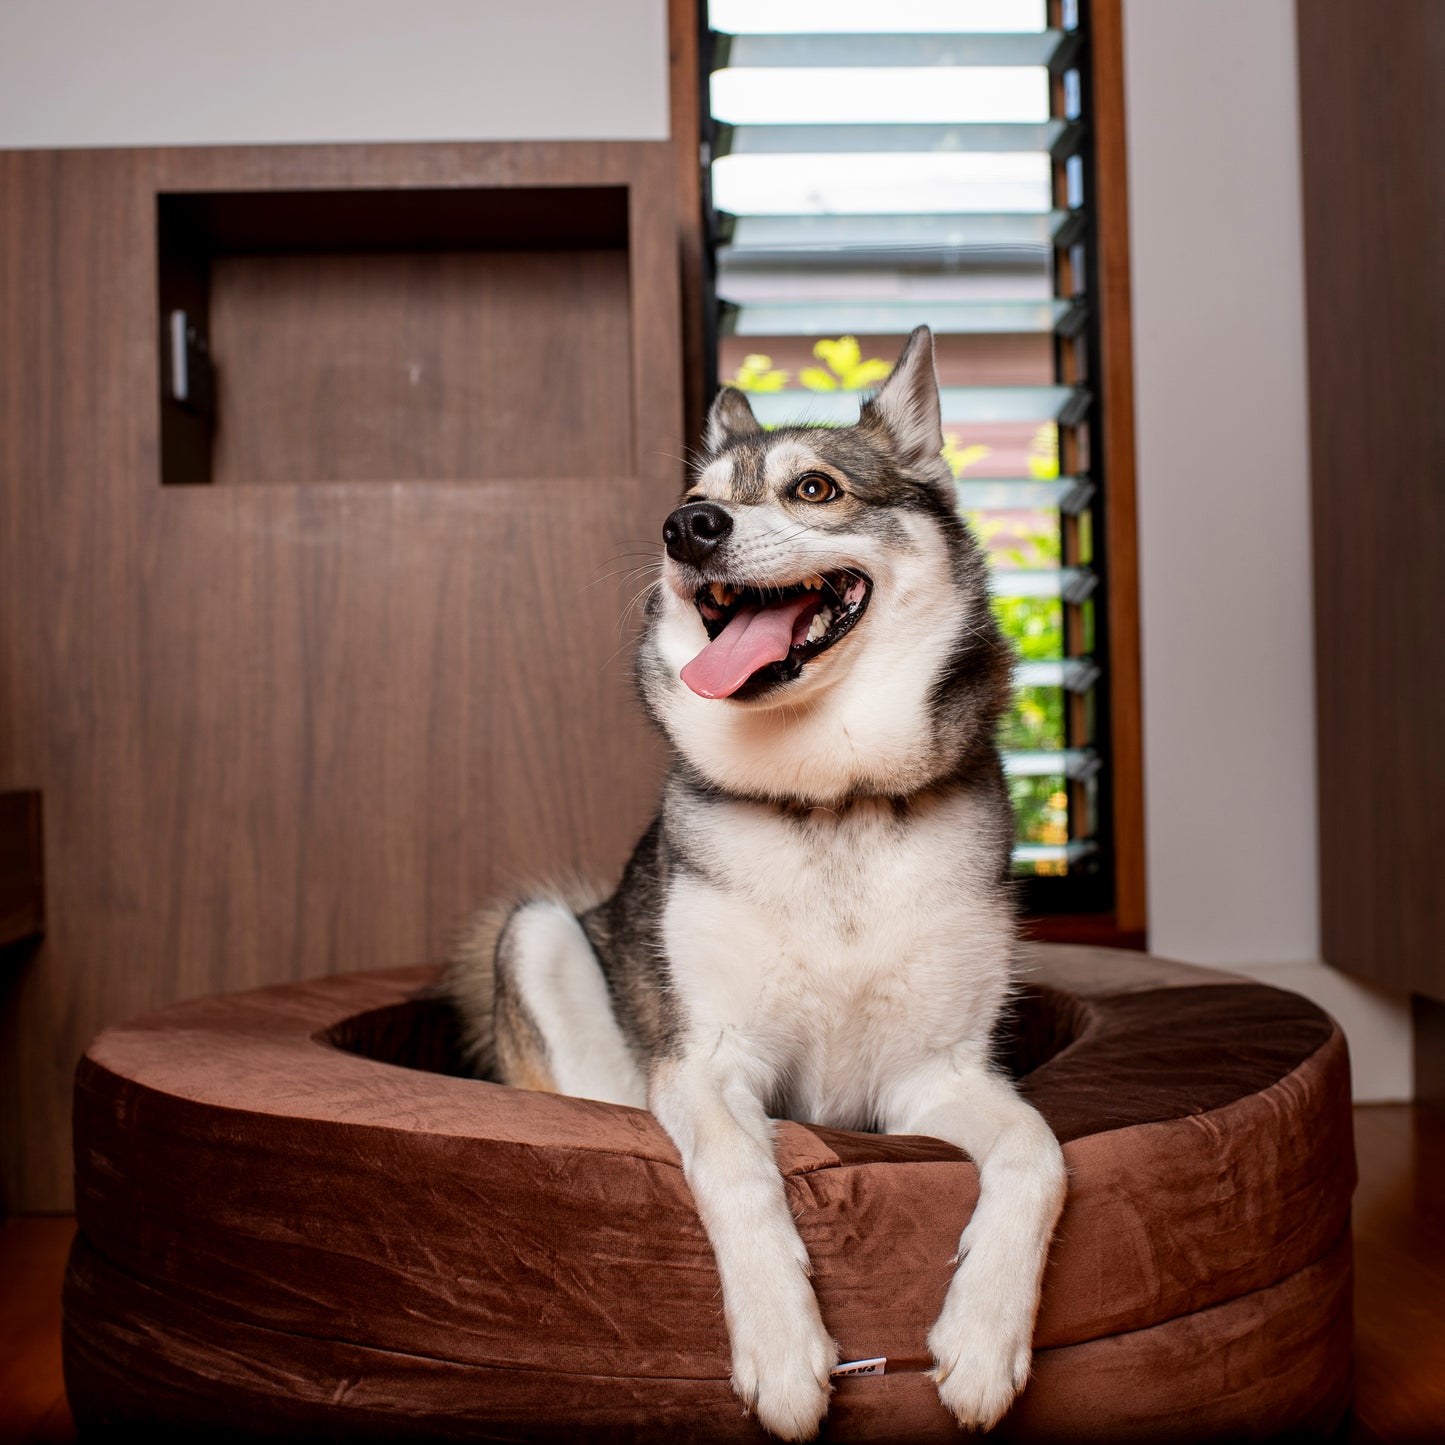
{"x":292,"y":1224}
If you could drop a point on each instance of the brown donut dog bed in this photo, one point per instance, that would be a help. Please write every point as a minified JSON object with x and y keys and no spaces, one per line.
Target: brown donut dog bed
{"x":295,"y":1222}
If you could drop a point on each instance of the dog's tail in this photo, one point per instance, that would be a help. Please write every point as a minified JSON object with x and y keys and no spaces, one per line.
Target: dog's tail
{"x":469,"y":984}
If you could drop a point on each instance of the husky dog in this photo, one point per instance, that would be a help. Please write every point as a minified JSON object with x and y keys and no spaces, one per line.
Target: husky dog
{"x":817,"y":924}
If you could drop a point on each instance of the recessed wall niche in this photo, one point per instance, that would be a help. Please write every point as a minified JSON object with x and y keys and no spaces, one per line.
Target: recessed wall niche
{"x":394,"y":335}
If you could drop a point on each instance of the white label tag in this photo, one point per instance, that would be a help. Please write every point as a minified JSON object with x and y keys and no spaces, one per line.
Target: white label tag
{"x":875,"y":1366}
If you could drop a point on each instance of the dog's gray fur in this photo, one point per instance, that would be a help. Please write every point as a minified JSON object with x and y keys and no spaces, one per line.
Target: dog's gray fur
{"x":817,"y":924}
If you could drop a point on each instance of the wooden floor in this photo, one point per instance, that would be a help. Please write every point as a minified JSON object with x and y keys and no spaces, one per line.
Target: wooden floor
{"x":1399,"y":1224}
{"x":1399,"y":1295}
{"x":32,"y":1263}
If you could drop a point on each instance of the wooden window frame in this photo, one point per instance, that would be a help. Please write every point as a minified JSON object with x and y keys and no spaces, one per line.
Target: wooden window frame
{"x":1125,"y":924}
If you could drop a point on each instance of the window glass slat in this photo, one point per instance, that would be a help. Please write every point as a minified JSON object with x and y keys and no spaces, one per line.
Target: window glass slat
{"x":885,"y":138}
{"x":946,"y":318}
{"x":876,"y":50}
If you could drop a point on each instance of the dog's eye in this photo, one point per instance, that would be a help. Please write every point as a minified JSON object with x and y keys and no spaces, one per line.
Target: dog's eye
{"x":815,"y":487}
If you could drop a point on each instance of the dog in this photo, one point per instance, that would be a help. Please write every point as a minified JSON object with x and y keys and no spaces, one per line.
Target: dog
{"x":817,"y":925}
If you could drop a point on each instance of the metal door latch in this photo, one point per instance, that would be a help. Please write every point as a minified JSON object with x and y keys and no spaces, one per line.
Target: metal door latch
{"x":192,"y":375}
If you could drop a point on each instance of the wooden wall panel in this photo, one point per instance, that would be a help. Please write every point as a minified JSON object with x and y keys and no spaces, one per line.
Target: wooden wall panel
{"x":1372,"y":112}
{"x":292,"y":729}
{"x":435,"y":366}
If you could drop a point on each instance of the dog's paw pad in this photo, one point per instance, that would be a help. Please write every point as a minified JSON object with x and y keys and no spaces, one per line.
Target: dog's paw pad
{"x":791,"y":1408}
{"x":978,"y":1379}
{"x":787,"y":1388}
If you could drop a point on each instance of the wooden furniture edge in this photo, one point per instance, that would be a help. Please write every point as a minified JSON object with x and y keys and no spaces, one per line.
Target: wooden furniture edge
{"x":684,"y":103}
{"x":1120,"y":506}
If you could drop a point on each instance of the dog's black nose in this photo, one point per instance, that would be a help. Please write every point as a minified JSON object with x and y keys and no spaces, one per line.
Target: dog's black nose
{"x":695,"y":531}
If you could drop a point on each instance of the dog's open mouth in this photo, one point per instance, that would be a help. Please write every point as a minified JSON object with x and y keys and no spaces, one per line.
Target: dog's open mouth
{"x":762,"y":636}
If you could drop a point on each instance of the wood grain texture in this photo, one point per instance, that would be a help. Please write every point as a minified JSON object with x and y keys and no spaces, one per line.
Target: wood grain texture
{"x":1372,"y":107}
{"x":422,"y":365}
{"x":1121,"y":545}
{"x":22,"y":868}
{"x":685,"y":112}
{"x":290,"y":729}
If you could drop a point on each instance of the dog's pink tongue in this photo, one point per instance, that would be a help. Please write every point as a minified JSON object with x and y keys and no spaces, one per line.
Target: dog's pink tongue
{"x":754,"y":637}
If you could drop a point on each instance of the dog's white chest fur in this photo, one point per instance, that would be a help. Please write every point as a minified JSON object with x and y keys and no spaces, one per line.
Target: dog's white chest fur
{"x":835,"y":950}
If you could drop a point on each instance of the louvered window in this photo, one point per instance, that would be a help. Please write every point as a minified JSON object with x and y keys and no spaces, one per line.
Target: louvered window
{"x":874,"y":167}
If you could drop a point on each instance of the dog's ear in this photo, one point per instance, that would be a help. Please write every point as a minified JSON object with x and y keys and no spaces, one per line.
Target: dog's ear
{"x":905,"y":408}
{"x":729,"y":420}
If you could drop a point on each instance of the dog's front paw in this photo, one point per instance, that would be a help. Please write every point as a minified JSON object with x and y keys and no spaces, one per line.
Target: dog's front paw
{"x":981,"y":1363}
{"x":781,"y":1374}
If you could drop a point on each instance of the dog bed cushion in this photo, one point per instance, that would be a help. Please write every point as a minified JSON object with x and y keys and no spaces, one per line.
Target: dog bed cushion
{"x":297,"y":1219}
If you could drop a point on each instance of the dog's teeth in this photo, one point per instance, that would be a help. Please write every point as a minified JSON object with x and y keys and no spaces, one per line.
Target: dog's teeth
{"x":813,"y":583}
{"x":731,"y":595}
{"x":719,"y":594}
{"x":822,"y":621}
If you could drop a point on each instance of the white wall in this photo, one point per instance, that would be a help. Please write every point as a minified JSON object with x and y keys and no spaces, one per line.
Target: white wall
{"x":1224,"y":536}
{"x":197,"y":72}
